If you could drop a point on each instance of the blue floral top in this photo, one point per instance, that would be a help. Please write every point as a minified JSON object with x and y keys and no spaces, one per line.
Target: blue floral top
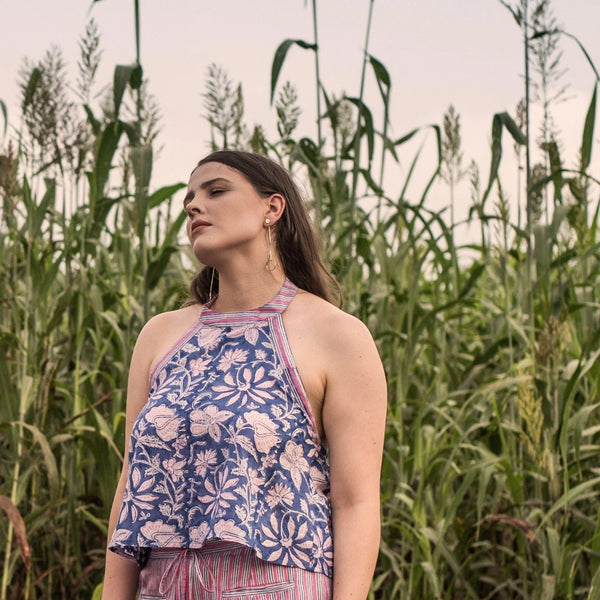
{"x":227,"y":447}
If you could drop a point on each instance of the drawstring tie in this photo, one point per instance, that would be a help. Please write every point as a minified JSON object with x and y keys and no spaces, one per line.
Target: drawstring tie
{"x":172,"y":578}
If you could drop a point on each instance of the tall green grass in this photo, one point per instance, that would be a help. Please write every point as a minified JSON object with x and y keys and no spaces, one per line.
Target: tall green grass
{"x":490,"y":477}
{"x":79,"y":274}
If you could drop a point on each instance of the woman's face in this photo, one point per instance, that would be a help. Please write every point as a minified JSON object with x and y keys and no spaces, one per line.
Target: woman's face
{"x":225,"y":215}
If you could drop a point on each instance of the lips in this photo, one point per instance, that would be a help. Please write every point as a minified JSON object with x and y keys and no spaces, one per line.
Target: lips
{"x":199,"y":224}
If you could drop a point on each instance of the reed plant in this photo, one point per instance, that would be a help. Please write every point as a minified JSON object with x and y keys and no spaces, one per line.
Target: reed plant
{"x":490,"y":478}
{"x":79,"y":275}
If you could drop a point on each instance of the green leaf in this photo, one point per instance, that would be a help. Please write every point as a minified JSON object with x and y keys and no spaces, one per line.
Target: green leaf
{"x":476,"y":272}
{"x":279,"y":58}
{"x":97,"y":595}
{"x":383,"y":78}
{"x":174,"y":228}
{"x":109,"y":141}
{"x":516,"y":13}
{"x":513,"y":128}
{"x":568,"y":393}
{"x":49,"y":459}
{"x":587,"y":56}
{"x":380,"y":71}
{"x":496,"y":152}
{"x":137,"y":77}
{"x":554,"y":547}
{"x":309,"y":153}
{"x":31,"y":87}
{"x":160,"y":195}
{"x":498,"y":122}
{"x":141,"y":159}
{"x":407,"y":136}
{"x":438,"y":138}
{"x":542,"y":33}
{"x":37,"y":213}
{"x":26,"y":197}
{"x":368,"y":128}
{"x":388,"y":144}
{"x":594,"y":593}
{"x":571,"y":497}
{"x":94,"y":123}
{"x":123,"y":75}
{"x":371,"y":182}
{"x":331,"y":112}
{"x":61,"y":305}
{"x":588,"y":132}
{"x":556,"y":170}
{"x":157,"y":267}
{"x":5,"y":115}
{"x":93,"y":520}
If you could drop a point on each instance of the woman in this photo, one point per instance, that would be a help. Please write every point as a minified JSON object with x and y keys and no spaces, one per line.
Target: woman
{"x":255,"y":414}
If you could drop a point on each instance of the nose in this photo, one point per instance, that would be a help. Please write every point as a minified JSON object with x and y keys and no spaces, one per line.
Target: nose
{"x":192,"y":204}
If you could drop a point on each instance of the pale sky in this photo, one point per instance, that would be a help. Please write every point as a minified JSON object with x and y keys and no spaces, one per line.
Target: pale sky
{"x":465,"y":52}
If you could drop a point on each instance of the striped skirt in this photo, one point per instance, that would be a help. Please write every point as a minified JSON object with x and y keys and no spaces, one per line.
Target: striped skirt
{"x":224,"y":570}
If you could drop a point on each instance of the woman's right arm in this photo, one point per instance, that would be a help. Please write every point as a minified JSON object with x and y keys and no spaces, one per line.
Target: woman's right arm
{"x":121,"y":574}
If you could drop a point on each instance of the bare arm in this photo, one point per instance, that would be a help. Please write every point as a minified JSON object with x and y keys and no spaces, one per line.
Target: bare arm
{"x":354,"y":421}
{"x":121,"y":574}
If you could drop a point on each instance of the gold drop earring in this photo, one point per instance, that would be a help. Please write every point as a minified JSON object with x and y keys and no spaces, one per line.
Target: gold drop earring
{"x":271,"y":262}
{"x":212,"y":279}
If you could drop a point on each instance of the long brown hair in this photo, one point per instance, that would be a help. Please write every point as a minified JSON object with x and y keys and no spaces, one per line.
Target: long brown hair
{"x":295,"y":237}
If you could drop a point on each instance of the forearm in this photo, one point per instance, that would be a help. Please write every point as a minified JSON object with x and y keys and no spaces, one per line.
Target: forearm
{"x":120,"y":578}
{"x":356,"y":535}
{"x":120,"y":574}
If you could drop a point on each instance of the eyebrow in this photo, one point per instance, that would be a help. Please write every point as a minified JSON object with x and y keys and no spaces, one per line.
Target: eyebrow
{"x":205,"y":184}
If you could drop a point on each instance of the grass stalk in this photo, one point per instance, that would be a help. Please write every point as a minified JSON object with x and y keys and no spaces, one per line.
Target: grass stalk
{"x":317,"y":75}
{"x":528,"y":291}
{"x":359,"y":120}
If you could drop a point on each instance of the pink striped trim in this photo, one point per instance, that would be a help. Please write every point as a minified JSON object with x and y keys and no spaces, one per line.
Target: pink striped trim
{"x":277,"y":305}
{"x":286,"y":354}
{"x":166,"y":357}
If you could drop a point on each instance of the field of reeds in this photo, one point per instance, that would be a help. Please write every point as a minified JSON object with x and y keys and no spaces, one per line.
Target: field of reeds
{"x":491,"y":475}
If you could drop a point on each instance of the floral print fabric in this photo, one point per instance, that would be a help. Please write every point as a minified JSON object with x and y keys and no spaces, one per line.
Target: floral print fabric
{"x":226,"y":448}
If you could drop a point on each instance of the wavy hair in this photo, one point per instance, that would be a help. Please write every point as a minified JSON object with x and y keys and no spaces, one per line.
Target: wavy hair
{"x":295,"y":236}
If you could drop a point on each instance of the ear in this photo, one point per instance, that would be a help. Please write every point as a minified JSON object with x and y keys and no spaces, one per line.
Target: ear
{"x":275,"y":208}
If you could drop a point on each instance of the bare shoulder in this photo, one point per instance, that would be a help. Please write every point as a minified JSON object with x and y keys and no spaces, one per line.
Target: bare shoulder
{"x":171,"y":321}
{"x":171,"y":318}
{"x":330,"y":319}
{"x":337,"y":333}
{"x":162,"y":331}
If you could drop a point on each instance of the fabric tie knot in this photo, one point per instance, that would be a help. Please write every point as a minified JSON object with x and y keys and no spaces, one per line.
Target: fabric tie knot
{"x":176,"y":586}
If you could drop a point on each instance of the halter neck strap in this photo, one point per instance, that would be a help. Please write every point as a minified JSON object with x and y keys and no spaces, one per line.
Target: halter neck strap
{"x":276,"y":305}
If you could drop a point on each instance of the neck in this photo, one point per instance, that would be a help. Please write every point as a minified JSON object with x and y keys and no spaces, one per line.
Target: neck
{"x":246,"y":291}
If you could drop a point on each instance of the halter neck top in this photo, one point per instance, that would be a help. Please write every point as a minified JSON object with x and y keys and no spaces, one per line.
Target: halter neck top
{"x":227,"y":447}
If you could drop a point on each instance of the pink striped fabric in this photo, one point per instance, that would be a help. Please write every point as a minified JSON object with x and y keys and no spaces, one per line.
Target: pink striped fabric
{"x":227,"y":571}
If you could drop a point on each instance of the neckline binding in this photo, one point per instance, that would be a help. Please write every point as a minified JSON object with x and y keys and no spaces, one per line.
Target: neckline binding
{"x":276,"y":305}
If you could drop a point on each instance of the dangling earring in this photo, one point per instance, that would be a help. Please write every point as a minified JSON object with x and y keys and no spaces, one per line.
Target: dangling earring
{"x":212,"y":279}
{"x":271,"y":262}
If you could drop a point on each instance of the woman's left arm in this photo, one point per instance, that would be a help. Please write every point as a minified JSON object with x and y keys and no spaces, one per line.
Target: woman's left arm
{"x":354,"y":421}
